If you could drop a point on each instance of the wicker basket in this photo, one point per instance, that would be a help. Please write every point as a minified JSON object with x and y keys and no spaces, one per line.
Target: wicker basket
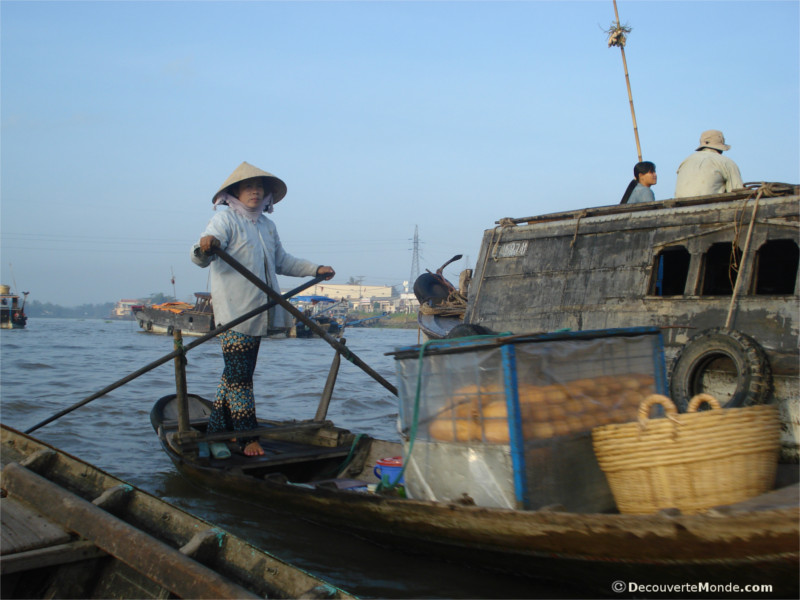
{"x":689,"y":461}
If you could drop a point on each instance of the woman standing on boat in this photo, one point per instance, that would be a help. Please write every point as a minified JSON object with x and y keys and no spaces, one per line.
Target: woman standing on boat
{"x":244,"y":231}
{"x":644,"y":177}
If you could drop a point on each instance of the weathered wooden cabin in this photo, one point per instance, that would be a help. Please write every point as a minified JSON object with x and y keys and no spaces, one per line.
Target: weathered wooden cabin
{"x":718,"y":274}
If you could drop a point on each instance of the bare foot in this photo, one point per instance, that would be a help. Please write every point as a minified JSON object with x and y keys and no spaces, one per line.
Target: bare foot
{"x":254,"y":449}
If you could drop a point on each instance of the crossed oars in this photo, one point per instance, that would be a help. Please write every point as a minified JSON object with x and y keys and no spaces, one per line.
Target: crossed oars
{"x":276,"y":299}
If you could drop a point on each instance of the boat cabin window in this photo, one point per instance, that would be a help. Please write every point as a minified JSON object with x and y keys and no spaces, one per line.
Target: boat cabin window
{"x":776,"y":267}
{"x":670,"y":271}
{"x":720,"y":268}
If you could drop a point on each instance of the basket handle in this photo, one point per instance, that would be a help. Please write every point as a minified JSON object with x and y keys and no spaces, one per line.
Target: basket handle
{"x":701,"y":399}
{"x":644,"y":408}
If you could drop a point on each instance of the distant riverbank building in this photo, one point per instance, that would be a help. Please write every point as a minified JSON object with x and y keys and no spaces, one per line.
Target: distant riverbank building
{"x":368,"y":298}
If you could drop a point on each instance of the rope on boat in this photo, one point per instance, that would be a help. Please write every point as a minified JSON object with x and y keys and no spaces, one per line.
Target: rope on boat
{"x":454,"y":304}
{"x":352,"y":452}
{"x":773,"y":189}
{"x":504,"y":224}
{"x":734,"y":244}
{"x":575,"y":235}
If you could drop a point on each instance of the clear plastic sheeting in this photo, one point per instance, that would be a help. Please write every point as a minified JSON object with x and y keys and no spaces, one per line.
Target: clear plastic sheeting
{"x":506,"y":422}
{"x":465,"y":473}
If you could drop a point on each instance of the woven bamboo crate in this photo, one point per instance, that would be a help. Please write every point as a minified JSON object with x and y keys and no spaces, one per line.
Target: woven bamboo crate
{"x":690,"y":461}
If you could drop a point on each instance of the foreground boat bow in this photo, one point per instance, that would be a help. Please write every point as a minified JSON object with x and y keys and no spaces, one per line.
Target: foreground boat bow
{"x":71,"y":530}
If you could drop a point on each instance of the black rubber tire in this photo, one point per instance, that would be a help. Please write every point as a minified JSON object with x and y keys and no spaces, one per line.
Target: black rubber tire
{"x":753,"y":373}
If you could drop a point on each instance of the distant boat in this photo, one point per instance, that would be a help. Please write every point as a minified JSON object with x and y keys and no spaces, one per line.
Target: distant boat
{"x":12,"y":315}
{"x":193,"y":320}
{"x":367,"y":322}
{"x":123,"y":310}
{"x":315,"y":307}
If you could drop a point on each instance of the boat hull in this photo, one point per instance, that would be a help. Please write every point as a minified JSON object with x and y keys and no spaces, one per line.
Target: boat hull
{"x":741,"y":545}
{"x":190,"y":323}
{"x":12,"y":315}
{"x":120,"y":542}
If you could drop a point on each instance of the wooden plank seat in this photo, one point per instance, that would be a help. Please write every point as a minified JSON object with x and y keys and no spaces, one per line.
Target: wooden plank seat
{"x":50,"y":556}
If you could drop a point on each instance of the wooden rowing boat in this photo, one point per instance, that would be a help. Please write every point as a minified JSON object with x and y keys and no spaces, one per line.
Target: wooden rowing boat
{"x":327,"y":474}
{"x":70,"y":530}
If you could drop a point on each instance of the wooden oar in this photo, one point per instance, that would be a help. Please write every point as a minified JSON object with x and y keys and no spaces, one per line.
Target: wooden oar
{"x":174,"y":353}
{"x":310,"y":323}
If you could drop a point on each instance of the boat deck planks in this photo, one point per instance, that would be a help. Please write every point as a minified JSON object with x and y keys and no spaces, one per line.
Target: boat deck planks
{"x":276,"y":452}
{"x":23,"y":529}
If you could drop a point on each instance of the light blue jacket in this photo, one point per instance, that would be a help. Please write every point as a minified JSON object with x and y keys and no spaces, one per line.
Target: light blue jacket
{"x":641,"y":193}
{"x":258,"y":247}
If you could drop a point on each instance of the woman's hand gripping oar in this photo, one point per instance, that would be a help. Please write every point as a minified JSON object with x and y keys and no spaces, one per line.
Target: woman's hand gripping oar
{"x":174,"y":353}
{"x":310,"y":323}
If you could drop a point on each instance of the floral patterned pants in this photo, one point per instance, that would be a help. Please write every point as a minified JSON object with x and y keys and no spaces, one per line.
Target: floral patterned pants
{"x":234,"y":405}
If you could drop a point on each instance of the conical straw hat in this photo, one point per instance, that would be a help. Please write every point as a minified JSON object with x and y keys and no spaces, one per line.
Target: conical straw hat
{"x":248,"y":171}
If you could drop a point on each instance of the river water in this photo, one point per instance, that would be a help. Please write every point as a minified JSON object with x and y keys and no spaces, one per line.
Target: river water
{"x":55,"y":363}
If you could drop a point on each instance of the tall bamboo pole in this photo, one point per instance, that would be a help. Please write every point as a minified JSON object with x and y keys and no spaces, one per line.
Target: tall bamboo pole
{"x":619,"y":40}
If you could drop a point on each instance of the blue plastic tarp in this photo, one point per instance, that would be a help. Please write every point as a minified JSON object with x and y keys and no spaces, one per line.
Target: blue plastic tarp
{"x":313,"y":299}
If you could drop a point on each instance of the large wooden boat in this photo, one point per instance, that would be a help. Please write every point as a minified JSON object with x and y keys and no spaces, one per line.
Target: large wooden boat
{"x":193,"y":320}
{"x":12,"y":313}
{"x":327,"y":474}
{"x":70,"y":530}
{"x":718,"y":274}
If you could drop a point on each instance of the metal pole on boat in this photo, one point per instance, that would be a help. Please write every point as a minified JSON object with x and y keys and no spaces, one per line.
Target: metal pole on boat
{"x":297,"y":314}
{"x":174,"y":353}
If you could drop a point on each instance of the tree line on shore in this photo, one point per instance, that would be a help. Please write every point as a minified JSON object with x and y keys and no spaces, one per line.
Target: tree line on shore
{"x":84,"y":311}
{"x":34,"y":308}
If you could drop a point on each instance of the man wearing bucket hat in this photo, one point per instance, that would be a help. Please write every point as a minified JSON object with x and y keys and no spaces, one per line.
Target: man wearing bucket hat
{"x":706,"y":171}
{"x":245,"y":232}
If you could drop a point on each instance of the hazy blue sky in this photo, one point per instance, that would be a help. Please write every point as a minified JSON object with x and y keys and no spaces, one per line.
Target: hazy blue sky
{"x":121,"y":119}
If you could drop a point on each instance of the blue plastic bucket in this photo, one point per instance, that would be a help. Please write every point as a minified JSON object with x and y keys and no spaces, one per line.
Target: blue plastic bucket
{"x":390,"y":468}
